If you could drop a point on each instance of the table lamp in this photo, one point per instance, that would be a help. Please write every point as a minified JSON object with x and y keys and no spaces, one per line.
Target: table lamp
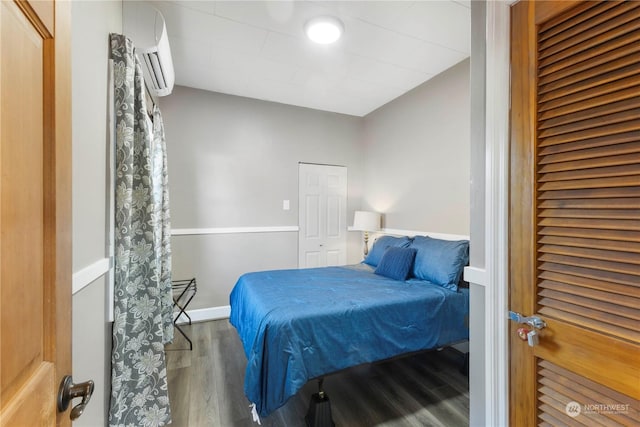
{"x":366,"y":221}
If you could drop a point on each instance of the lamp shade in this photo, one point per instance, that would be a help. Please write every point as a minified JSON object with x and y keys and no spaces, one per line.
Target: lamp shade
{"x":366,"y":221}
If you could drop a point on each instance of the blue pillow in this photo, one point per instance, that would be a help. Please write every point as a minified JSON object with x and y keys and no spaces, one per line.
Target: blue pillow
{"x":396,"y":263}
{"x":440,"y":261}
{"x":381,"y":244}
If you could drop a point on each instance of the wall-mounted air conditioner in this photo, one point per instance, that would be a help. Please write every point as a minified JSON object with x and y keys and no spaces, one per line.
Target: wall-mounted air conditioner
{"x":145,"y":25}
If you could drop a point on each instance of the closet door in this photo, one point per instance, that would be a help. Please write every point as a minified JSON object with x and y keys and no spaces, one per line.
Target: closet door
{"x":575,"y":212}
{"x":322,"y":239}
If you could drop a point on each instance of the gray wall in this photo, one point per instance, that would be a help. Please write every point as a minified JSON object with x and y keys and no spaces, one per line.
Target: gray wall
{"x":232,"y":162}
{"x":477,"y":251}
{"x":91,"y":24}
{"x":417,"y":156}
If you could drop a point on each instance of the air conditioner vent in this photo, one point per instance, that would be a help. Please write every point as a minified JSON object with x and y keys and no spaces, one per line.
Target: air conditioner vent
{"x":145,"y":25}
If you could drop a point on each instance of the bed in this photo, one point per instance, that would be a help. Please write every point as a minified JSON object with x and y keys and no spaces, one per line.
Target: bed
{"x":296,"y":325}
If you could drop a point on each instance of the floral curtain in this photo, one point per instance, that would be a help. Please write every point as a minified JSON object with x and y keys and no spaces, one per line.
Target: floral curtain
{"x":143,"y":304}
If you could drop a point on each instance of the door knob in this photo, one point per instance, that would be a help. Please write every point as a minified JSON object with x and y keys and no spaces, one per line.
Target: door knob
{"x":533,"y":321}
{"x":531,"y":336}
{"x":69,"y":391}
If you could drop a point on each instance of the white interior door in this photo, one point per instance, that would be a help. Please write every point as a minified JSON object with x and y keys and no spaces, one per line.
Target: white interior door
{"x":322,"y":210}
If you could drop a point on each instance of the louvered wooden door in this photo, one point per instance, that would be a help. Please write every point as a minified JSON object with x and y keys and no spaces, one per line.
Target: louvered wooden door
{"x":575,"y":212}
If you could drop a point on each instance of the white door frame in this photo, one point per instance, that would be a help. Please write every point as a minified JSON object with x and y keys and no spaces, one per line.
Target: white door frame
{"x":498,"y":79}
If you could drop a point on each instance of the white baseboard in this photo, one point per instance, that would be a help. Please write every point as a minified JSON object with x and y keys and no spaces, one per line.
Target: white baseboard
{"x":204,"y":314}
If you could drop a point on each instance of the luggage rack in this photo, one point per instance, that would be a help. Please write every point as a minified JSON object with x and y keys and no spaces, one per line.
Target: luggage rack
{"x":183,"y":293}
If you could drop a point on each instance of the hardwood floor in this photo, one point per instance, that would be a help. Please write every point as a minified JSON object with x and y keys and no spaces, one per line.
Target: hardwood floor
{"x":205,"y":387}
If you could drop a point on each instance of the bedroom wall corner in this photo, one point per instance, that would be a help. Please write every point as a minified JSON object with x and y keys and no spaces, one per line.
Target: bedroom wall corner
{"x":415,"y":144}
{"x":91,"y":24}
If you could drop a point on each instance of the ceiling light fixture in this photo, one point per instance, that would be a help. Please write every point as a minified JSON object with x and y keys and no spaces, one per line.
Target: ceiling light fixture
{"x":324,"y":29}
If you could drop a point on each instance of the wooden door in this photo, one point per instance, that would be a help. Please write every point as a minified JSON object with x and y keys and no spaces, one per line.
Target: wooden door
{"x":322,"y":215}
{"x":575,"y":212}
{"x":35,"y":206}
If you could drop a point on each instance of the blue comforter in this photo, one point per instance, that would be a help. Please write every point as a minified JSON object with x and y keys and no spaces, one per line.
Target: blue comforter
{"x":296,"y":325}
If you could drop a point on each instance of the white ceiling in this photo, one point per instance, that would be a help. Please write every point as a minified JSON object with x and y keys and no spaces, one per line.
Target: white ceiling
{"x":258,"y":49}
